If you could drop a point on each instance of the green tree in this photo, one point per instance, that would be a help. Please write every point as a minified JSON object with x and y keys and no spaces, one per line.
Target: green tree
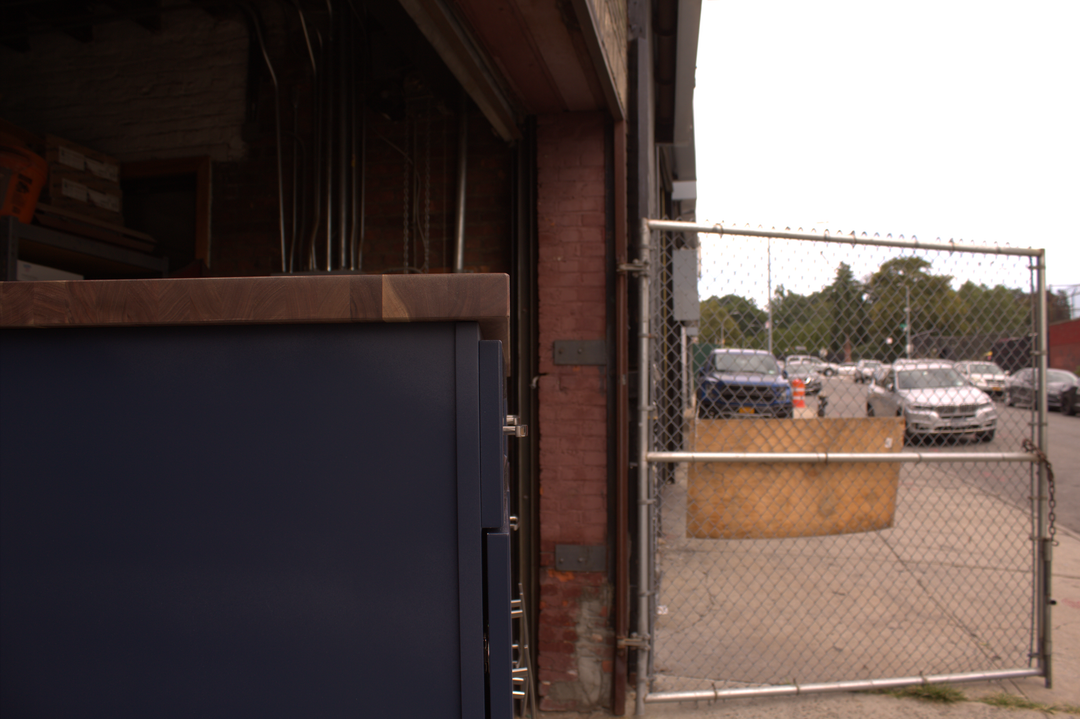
{"x":801,"y":323}
{"x":847,"y":310}
{"x":732,"y":321}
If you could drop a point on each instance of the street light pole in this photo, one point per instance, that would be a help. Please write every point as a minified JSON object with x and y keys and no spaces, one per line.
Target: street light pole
{"x":770,"y":294}
{"x":907,"y":318}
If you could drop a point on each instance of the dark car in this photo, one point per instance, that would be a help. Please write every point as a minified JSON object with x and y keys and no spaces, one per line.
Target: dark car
{"x":743,"y":383}
{"x":1061,"y":389}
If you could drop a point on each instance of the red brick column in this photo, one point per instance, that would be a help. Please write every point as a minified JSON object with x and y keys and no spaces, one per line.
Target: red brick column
{"x":574,"y":627}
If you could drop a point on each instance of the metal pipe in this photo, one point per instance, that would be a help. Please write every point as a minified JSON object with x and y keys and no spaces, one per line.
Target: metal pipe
{"x":1045,"y":550}
{"x":644,"y":494}
{"x":840,"y":457}
{"x":316,"y":165}
{"x":328,"y":109}
{"x":297,"y":154}
{"x":463,"y":148}
{"x":255,"y":19}
{"x":355,"y":165}
{"x":843,"y":686}
{"x":344,"y":148}
{"x":307,"y":35}
{"x":363,"y":190}
{"x":620,"y":670}
{"x":914,"y":244}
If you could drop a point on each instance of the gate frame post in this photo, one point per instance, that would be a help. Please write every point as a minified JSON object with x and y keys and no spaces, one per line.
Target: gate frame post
{"x":1044,"y":548}
{"x":644,"y":504}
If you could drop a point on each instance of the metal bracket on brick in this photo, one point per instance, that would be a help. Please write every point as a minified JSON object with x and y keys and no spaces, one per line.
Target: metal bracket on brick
{"x":580,"y":352}
{"x":580,"y":558}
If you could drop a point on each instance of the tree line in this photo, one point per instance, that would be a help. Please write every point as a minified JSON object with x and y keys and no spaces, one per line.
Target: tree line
{"x":876,"y":317}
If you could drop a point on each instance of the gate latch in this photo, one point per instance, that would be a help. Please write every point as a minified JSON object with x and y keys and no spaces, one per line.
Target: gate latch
{"x":513,"y":428}
{"x":634,"y":641}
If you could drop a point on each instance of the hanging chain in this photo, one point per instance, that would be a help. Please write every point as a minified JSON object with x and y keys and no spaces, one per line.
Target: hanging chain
{"x":1030,"y":447}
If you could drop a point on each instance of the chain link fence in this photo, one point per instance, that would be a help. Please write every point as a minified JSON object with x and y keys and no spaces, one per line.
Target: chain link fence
{"x":873,"y":514}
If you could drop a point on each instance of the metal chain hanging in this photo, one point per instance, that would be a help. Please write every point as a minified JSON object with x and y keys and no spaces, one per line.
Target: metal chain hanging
{"x":1029,"y":446}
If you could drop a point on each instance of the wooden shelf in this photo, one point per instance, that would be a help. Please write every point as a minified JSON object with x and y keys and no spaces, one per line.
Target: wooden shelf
{"x":81,"y":255}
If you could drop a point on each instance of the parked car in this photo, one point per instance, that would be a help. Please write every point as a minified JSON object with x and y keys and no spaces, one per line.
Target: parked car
{"x":743,"y":383}
{"x":987,"y":376}
{"x":808,"y":371}
{"x":847,"y":369}
{"x":1062,"y":387}
{"x":864,"y":370}
{"x":934,"y":400}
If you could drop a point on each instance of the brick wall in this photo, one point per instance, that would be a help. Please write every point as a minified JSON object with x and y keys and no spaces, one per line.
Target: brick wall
{"x":1064,"y":341}
{"x":575,"y":635}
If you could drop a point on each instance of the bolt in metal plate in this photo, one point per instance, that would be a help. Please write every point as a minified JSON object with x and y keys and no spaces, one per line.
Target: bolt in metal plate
{"x":581,"y":352}
{"x":580,"y":558}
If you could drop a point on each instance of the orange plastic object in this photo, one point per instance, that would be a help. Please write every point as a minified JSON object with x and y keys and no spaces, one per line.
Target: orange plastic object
{"x":22,"y":176}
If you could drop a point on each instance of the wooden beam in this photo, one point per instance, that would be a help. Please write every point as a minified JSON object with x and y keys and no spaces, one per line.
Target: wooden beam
{"x":465,"y":59}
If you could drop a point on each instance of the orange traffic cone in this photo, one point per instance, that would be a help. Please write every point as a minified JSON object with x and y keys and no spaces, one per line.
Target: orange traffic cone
{"x":798,"y":391}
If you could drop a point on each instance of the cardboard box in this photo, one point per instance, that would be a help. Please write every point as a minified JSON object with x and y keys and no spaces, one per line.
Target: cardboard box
{"x":89,"y":195}
{"x":64,"y":154}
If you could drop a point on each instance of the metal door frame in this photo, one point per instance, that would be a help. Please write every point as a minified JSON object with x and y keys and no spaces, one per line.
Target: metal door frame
{"x":648,"y":461}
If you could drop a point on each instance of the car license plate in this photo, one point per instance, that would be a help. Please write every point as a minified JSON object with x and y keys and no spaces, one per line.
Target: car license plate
{"x":746,"y":410}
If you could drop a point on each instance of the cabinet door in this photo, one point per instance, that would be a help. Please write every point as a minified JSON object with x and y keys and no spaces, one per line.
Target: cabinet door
{"x":272,"y":521}
{"x":495,"y":490}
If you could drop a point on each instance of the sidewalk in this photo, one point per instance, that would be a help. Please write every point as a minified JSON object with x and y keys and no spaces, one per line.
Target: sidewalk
{"x":1065,"y":668}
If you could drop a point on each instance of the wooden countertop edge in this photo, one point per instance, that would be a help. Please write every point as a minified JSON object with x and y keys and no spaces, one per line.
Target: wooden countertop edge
{"x":483,"y":298}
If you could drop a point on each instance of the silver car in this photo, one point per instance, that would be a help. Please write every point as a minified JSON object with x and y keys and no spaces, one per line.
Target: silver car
{"x":987,"y":376}
{"x":808,"y":372}
{"x":934,"y":400}
{"x":864,"y":370}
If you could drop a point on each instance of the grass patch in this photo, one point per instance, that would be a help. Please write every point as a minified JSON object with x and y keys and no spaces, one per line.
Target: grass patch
{"x":1012,"y":701}
{"x":945,"y":694}
{"x":940,"y":693}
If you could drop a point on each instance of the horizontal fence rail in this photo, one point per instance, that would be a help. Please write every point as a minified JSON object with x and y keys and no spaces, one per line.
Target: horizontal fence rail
{"x":841,"y":457}
{"x":848,"y":686}
{"x":853,"y":239}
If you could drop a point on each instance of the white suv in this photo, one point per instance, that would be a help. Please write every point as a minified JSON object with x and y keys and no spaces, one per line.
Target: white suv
{"x":934,"y":400}
{"x":987,"y":376}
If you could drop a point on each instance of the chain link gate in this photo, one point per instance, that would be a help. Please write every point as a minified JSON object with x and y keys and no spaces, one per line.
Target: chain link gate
{"x":841,"y":488}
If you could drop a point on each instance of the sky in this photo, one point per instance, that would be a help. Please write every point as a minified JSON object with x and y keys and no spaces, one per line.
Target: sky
{"x":946,"y":119}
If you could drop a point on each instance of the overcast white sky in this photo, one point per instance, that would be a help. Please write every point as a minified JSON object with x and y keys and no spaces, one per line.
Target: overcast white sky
{"x":944,"y":118}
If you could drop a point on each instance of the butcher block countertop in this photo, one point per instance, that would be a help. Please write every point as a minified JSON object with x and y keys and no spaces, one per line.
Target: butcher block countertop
{"x":292,"y":299}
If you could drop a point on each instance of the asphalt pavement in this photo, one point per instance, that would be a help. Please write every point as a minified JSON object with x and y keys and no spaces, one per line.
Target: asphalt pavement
{"x":1060,"y":700}
{"x":848,"y":399}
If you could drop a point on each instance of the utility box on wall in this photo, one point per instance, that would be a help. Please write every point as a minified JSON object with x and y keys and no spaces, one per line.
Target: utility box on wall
{"x":291,"y":514}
